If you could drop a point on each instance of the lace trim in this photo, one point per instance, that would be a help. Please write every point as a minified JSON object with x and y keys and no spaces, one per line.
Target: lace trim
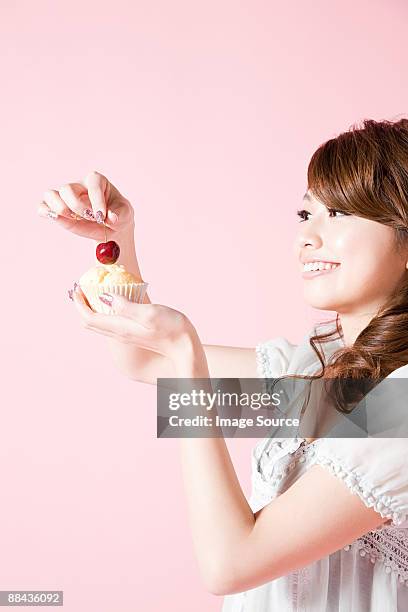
{"x":262,"y":361}
{"x":384,"y":504}
{"x":264,"y":487}
{"x":300,"y":453}
{"x":301,"y":579}
{"x":265,"y":484}
{"x":385,"y":544}
{"x":389,"y":547}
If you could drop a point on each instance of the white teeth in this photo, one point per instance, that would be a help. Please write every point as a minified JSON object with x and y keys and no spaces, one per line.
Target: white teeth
{"x":318,"y":265}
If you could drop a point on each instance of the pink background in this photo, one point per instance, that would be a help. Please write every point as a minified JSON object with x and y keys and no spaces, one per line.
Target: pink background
{"x":205,"y":115}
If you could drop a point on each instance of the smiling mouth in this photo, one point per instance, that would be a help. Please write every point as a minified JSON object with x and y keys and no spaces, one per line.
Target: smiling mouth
{"x":307,"y":273}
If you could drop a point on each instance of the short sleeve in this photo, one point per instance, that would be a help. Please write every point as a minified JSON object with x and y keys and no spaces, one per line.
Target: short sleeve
{"x":376,"y":469}
{"x":273,"y":357}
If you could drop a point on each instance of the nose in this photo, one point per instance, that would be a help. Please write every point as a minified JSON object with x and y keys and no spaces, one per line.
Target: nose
{"x":309,"y":237}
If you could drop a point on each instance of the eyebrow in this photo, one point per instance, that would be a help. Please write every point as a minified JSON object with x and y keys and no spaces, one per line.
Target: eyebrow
{"x":307,"y":197}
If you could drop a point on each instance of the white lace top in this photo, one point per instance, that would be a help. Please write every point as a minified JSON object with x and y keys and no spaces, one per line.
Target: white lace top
{"x":371,"y":573}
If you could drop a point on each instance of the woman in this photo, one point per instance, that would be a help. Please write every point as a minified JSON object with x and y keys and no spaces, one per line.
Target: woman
{"x":325,"y":529}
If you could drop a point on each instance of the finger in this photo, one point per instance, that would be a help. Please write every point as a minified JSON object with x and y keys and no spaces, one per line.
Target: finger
{"x":81,"y":296}
{"x":96,"y":185}
{"x":99,"y":190}
{"x":76,"y":225}
{"x":75,"y":196}
{"x":54,"y":201}
{"x":45,"y":211}
{"x":119,"y":327}
{"x":140,"y":313}
{"x":91,"y":319}
{"x":80,"y":301}
{"x":111,"y":217}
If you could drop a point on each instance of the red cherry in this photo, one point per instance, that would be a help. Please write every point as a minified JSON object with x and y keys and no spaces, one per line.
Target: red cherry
{"x":107,"y":252}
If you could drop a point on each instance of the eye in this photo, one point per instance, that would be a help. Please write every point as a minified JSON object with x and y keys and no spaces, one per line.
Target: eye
{"x":301,"y":214}
{"x":335,"y":210}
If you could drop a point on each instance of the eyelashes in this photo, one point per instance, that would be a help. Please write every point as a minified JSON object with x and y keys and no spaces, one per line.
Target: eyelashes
{"x":302,"y":213}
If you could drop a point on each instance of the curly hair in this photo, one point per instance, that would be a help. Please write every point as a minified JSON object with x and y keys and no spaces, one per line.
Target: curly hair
{"x":364,"y":172}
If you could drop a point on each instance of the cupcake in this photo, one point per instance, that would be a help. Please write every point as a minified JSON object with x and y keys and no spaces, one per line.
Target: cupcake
{"x":114,"y":279}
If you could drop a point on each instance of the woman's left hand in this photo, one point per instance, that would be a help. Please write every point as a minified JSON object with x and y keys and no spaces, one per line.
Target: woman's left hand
{"x":151,"y":326}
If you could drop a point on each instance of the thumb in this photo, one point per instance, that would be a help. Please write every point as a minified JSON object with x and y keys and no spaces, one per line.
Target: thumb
{"x":120,"y":305}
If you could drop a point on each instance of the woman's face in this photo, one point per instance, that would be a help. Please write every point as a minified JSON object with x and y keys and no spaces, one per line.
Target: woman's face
{"x":369,"y":266}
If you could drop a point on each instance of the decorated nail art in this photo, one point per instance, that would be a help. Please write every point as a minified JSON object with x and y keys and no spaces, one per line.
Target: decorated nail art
{"x":99,"y":216}
{"x":51,"y":214}
{"x":106,"y":299}
{"x":88,"y":214}
{"x":70,"y":295}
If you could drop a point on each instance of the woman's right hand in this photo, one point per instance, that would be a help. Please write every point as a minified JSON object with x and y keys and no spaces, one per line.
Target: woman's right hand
{"x":89,"y":208}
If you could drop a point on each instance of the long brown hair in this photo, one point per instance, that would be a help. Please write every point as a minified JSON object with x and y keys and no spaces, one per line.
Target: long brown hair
{"x":364,"y":172}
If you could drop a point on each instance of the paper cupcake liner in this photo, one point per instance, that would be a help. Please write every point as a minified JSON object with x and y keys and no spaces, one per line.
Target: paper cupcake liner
{"x":134,"y":292}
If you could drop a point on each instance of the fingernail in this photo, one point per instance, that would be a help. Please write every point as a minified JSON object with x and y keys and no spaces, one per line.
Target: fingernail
{"x":99,"y":216}
{"x":76,"y":287}
{"x":51,"y":214}
{"x":70,"y":295}
{"x":113,"y":217}
{"x":88,"y":214}
{"x":106,"y":299}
